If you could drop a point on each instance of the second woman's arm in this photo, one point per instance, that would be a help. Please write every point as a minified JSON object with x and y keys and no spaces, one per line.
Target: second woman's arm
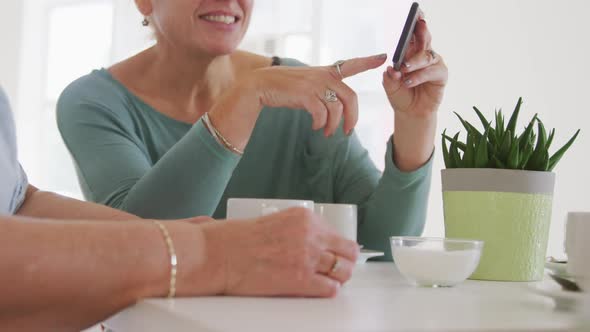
{"x":116,"y":168}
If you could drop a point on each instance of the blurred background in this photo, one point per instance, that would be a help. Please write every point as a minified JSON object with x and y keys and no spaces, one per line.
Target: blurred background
{"x":496,"y":51}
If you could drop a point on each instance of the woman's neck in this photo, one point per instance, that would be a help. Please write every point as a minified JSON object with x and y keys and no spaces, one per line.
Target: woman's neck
{"x":193,"y":81}
{"x":181,"y":85}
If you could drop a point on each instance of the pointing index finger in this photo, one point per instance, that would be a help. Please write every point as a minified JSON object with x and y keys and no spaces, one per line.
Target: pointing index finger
{"x":358,"y":65}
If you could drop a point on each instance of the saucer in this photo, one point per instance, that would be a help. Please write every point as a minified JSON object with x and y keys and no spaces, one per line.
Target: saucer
{"x":564,"y":300}
{"x":559,"y":269}
{"x":366,"y":254}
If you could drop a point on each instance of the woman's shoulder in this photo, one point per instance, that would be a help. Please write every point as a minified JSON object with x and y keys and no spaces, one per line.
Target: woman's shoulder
{"x":93,"y":101}
{"x":96,"y":86}
{"x":96,"y":92}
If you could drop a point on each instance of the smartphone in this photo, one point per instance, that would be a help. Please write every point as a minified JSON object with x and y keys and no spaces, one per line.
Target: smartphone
{"x":404,"y":40}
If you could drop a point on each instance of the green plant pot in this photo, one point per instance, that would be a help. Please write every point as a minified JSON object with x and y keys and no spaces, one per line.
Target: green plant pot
{"x":510,"y":210}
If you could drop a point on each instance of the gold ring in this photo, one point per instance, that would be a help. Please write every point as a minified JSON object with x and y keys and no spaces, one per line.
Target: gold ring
{"x":335,"y":266}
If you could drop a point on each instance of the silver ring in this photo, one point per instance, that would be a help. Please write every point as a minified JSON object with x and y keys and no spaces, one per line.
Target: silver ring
{"x":432,"y":54}
{"x":337,"y":64}
{"x":336,"y":266}
{"x":330,"y":96}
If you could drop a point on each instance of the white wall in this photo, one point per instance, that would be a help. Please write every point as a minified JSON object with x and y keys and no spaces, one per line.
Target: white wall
{"x":129,"y":36}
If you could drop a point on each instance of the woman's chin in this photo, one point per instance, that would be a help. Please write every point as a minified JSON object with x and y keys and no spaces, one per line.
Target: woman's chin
{"x":218,"y":50}
{"x":223,"y":51}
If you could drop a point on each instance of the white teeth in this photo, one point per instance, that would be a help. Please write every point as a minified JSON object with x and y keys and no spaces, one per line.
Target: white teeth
{"x":220,"y":18}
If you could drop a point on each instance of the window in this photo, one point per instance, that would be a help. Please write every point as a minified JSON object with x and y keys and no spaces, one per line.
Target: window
{"x":65,"y":40}
{"x":79,"y":39}
{"x":282,"y":28}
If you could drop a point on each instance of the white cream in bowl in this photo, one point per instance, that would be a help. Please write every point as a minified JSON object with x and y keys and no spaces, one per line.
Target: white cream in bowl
{"x":431,"y":262}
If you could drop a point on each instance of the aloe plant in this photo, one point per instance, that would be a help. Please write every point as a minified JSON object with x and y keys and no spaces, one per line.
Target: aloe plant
{"x":499,"y":145}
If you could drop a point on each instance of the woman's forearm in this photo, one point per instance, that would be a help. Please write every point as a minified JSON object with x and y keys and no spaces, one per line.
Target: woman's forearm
{"x":189,"y":180}
{"x":65,"y":276}
{"x":207,"y":165}
{"x":414,"y":140}
{"x":47,"y":205}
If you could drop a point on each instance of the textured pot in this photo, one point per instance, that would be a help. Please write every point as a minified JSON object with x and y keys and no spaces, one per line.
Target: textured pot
{"x":510,"y":210}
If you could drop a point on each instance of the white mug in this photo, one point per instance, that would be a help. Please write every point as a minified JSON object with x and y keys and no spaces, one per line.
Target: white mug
{"x":340,"y":217}
{"x":577,"y":247}
{"x":245,"y":208}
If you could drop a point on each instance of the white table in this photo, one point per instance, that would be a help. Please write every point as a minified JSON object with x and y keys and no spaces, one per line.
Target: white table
{"x":377,"y":299}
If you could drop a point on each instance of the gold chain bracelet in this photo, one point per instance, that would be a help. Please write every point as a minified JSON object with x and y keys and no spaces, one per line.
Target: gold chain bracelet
{"x":218,"y":137}
{"x":173,"y":259}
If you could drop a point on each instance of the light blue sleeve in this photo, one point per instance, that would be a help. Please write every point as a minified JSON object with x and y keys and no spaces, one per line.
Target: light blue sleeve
{"x":13,"y":180}
{"x":20,"y":190}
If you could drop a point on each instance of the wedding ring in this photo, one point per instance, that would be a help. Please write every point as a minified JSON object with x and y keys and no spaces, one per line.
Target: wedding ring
{"x":336,"y":265}
{"x":330,"y":96}
{"x":337,"y":64}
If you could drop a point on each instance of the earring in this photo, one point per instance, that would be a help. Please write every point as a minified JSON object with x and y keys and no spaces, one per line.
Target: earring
{"x":145,"y":22}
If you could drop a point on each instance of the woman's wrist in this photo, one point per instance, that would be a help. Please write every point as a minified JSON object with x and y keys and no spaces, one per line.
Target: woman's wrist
{"x":220,"y":252}
{"x":414,"y":140}
{"x":252,"y":89}
{"x":148,"y":274}
{"x":217,"y":250}
{"x":236,"y":113}
{"x":219,"y":137}
{"x":196,"y":272}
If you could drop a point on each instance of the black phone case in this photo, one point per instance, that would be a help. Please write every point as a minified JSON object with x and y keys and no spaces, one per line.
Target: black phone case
{"x":404,"y":40}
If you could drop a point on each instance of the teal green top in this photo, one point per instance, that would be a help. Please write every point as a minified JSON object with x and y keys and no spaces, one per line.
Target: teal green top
{"x":131,"y":157}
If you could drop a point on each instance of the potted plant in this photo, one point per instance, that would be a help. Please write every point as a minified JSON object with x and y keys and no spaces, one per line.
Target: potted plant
{"x":498,"y":187}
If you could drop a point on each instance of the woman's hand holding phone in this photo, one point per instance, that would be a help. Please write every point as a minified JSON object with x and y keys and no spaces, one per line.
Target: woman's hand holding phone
{"x":415,"y":93}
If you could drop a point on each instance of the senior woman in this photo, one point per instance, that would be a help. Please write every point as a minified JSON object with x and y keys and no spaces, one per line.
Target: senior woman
{"x":181,"y":127}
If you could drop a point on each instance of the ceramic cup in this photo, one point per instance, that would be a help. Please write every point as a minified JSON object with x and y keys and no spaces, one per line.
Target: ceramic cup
{"x":245,"y":208}
{"x":577,"y":247}
{"x":341,"y":217}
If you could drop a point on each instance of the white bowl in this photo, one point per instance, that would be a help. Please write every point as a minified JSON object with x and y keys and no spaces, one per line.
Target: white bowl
{"x":435,"y":262}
